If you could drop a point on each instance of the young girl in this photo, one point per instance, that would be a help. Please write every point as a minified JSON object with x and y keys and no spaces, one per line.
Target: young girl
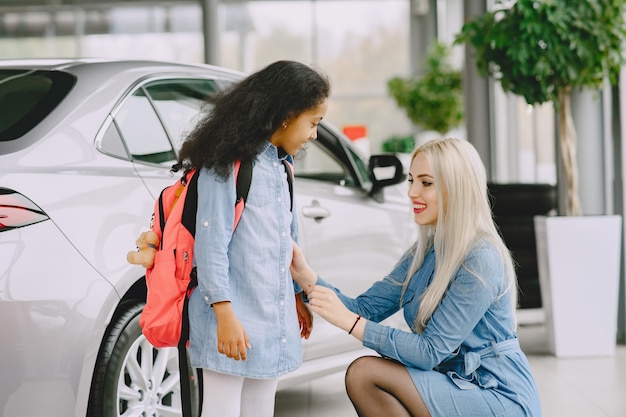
{"x":458,"y":289}
{"x":246,"y":317}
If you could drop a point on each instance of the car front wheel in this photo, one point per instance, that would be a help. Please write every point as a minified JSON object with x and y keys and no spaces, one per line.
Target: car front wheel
{"x":134,"y":378}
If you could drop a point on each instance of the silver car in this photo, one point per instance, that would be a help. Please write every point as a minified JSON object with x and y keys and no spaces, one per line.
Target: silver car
{"x":85,"y":148}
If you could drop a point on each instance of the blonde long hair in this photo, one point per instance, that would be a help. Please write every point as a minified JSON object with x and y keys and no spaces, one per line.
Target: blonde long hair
{"x":464,"y":219}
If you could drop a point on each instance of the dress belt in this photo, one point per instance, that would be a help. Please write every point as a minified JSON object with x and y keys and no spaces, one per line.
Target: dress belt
{"x":472,"y":358}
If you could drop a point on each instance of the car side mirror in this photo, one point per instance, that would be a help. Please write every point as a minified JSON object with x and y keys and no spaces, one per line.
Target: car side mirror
{"x":384,"y":170}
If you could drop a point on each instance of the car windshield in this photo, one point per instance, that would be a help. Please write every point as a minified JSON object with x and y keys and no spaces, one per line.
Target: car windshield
{"x":27,"y":97}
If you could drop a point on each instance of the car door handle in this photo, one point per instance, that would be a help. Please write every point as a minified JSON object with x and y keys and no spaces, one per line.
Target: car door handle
{"x":315,"y":211}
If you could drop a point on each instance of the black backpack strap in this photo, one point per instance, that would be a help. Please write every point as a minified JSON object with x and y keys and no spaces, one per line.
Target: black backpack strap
{"x":184,"y":370}
{"x":244,"y":179}
{"x":188,"y":218}
{"x":289,"y":170}
{"x":188,"y":221}
{"x":161,"y":217}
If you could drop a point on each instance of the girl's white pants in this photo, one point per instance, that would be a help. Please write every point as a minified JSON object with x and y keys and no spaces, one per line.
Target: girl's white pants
{"x":237,"y":396}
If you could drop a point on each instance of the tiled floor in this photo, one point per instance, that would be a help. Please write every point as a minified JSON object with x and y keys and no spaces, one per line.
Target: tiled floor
{"x":581,"y":387}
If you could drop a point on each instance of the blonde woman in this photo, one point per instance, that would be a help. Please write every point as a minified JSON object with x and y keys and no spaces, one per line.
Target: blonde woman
{"x":457,"y":288}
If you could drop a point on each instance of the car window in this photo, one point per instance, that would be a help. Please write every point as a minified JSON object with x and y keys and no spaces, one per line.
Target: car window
{"x":324,"y":160}
{"x":179,"y":103}
{"x":142,"y":131}
{"x":112,"y":143}
{"x":361,"y":167}
{"x":27,"y":97}
{"x":153,"y":121}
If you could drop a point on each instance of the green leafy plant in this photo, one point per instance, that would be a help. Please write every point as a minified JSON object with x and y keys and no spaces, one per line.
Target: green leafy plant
{"x":402,"y":144}
{"x":434,"y":100}
{"x":542,"y":50}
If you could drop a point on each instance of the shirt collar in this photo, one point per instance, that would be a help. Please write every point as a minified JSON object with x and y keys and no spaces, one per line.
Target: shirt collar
{"x":274,"y":151}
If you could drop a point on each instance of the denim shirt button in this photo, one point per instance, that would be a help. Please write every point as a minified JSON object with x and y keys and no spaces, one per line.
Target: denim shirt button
{"x":205,"y":224}
{"x":283,"y":340}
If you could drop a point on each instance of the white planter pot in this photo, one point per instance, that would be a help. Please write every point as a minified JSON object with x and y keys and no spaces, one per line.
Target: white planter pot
{"x":579,"y":267}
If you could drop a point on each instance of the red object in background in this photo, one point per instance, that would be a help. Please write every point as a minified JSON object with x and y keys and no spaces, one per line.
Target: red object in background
{"x":355,"y":132}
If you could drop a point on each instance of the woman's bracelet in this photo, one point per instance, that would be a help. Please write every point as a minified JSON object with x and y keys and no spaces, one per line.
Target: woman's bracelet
{"x":354,"y":325}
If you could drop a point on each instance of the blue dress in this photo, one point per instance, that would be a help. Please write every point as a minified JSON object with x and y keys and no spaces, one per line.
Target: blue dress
{"x":467,"y":362}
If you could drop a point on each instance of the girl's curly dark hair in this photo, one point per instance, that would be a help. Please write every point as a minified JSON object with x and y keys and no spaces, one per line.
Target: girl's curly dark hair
{"x":244,"y":116}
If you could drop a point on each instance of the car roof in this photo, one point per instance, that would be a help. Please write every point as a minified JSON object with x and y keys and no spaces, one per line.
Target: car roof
{"x":93,"y":76}
{"x":111,"y":65}
{"x":61,"y":63}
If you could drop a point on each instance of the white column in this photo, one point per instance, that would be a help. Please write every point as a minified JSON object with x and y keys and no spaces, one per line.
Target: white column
{"x":476,"y":90}
{"x":619,"y":193}
{"x":211,"y":32}
{"x":587,"y":115}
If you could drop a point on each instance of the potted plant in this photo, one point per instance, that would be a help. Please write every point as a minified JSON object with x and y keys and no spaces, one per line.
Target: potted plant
{"x":542,"y":50}
{"x":399,"y":144}
{"x":432,"y":99}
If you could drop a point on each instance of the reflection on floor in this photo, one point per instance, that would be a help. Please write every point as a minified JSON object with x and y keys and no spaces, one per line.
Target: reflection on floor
{"x":580,"y":387}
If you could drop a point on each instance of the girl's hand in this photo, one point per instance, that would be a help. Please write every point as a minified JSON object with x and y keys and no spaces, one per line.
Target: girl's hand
{"x":301,"y":272}
{"x":325,"y":302}
{"x":232,"y":338}
{"x":305,"y":317}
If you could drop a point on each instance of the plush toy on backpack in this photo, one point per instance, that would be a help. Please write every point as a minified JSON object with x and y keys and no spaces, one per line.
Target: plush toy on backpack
{"x":147,"y":245}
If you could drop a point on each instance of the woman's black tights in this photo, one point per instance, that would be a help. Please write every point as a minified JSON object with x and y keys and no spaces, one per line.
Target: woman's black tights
{"x":379,"y":387}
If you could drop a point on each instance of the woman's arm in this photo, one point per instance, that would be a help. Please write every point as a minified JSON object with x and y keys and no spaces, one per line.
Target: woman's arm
{"x":380,"y":301}
{"x":462,"y":307}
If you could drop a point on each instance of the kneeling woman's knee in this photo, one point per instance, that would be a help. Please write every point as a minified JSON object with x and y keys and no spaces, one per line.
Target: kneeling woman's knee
{"x":359,"y":370}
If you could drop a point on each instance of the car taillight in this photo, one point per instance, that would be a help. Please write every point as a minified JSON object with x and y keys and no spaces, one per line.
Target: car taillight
{"x":18,"y":211}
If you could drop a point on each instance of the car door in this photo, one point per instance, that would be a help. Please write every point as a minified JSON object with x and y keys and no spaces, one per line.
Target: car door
{"x":349,"y":238}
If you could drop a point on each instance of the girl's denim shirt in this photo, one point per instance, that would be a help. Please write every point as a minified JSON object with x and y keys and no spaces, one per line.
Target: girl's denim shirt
{"x":250,"y":268}
{"x":470,"y":337}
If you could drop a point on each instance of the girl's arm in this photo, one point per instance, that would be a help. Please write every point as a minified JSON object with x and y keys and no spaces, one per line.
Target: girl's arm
{"x":214,"y":230}
{"x":301,"y":272}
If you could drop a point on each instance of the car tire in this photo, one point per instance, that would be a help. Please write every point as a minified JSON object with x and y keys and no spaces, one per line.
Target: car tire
{"x":131,"y":376}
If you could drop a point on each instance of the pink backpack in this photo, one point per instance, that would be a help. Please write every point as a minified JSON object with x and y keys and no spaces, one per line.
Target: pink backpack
{"x":171,"y":279}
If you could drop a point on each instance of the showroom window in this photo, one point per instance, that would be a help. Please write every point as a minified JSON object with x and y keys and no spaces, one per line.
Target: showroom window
{"x":360,"y":44}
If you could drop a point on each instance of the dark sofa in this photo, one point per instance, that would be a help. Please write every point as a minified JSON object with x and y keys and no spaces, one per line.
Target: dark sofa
{"x":514,"y":207}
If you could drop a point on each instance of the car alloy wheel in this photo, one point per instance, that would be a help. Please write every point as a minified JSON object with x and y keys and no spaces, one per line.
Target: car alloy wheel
{"x":134,"y":378}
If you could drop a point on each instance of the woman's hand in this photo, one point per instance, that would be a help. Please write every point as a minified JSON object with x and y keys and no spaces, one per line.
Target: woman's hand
{"x":301,"y":272}
{"x":325,"y":302}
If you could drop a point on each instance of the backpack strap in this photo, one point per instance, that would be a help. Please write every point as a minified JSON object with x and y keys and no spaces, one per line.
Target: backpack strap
{"x":161,"y":218}
{"x":289,"y":170}
{"x":188,"y":217}
{"x":243,"y":179}
{"x":184,"y":370}
{"x":188,"y":220}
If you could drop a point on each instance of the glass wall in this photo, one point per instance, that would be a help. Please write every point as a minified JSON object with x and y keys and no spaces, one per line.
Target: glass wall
{"x":359,"y":44}
{"x":523,"y":137}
